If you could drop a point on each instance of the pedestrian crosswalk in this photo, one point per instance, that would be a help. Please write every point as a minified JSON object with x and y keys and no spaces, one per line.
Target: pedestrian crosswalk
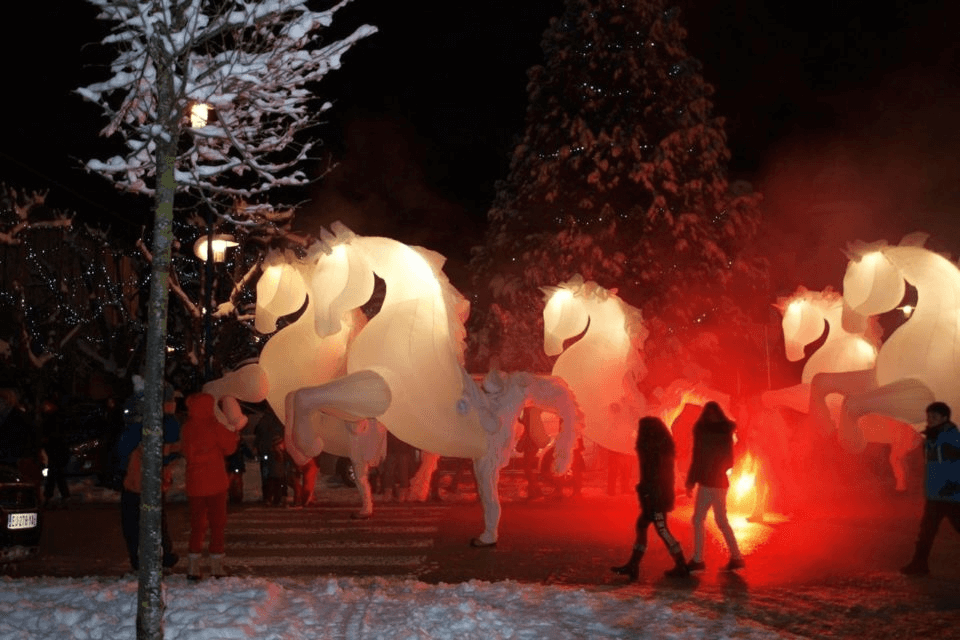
{"x":269,"y":542}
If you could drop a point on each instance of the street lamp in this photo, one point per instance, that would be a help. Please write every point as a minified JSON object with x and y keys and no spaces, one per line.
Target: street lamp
{"x":218,"y":243}
{"x":210,"y":248}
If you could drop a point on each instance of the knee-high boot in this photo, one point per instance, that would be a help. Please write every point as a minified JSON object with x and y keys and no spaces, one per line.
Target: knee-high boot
{"x":632,"y":568}
{"x":680,"y":570}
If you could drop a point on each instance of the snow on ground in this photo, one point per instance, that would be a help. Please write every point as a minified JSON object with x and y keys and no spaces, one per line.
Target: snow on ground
{"x":349,"y":608}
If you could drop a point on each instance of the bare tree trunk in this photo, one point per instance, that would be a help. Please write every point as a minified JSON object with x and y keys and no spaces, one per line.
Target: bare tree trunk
{"x":150,"y":605}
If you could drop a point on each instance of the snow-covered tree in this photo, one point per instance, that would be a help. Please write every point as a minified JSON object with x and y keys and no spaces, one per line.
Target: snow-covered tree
{"x":253,"y":63}
{"x":620,"y":176}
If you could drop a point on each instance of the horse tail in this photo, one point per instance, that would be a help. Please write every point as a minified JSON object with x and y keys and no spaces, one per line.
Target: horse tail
{"x":553,"y":393}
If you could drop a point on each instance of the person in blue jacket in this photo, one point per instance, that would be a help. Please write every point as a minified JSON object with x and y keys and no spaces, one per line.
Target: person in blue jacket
{"x":127,"y":450}
{"x":941,"y":450}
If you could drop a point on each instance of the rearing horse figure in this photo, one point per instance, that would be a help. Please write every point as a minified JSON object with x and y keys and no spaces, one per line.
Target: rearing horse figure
{"x":805,"y":316}
{"x":297,"y":356}
{"x":604,"y":366}
{"x":919,"y":362}
{"x":405,"y":367}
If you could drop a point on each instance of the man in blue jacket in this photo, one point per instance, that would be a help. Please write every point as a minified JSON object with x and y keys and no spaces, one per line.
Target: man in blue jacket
{"x":942,"y":454}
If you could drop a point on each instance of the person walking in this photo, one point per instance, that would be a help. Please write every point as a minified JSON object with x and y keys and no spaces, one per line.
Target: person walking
{"x":656,"y":454}
{"x":205,"y":442}
{"x":712,"y":458}
{"x":941,"y":448}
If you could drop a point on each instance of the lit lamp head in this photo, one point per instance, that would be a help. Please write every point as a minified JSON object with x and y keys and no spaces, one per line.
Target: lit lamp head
{"x":218,"y":245}
{"x":199,"y":115}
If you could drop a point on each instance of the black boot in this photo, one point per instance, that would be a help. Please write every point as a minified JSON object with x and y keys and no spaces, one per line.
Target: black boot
{"x":632,"y":568}
{"x":916,"y":568}
{"x":680,"y":570}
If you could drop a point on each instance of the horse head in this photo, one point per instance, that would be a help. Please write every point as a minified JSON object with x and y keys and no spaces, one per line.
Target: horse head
{"x":804,"y":318}
{"x":564,"y":315}
{"x":872,"y":284}
{"x":280,"y":291}
{"x":340,"y":279}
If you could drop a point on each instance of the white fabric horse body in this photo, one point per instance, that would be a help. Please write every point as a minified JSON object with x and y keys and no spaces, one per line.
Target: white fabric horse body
{"x":920,"y":361}
{"x":604,"y":366}
{"x":805,"y":316}
{"x":405,"y":369}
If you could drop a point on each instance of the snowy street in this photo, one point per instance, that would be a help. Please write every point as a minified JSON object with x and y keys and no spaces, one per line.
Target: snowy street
{"x":816,"y":575}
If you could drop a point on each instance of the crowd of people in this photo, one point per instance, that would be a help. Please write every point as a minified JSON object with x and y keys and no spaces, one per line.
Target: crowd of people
{"x":215,"y":460}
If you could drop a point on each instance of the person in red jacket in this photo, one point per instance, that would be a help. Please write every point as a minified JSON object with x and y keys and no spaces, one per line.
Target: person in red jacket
{"x":205,"y":441}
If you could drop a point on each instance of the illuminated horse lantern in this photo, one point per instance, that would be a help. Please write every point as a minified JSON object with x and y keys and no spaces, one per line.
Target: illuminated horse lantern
{"x":805,"y":316}
{"x":920,"y":361}
{"x":604,"y":366}
{"x":405,"y":366}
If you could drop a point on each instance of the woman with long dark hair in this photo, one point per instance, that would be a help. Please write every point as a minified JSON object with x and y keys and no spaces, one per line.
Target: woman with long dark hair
{"x":656,"y":454}
{"x":712,"y":458}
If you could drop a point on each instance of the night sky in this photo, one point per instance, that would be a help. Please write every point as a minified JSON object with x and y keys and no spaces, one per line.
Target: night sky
{"x":843,"y":114}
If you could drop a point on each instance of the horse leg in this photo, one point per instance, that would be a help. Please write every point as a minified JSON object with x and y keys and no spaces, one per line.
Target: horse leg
{"x":361,"y":470}
{"x":420,"y":482}
{"x":847,"y":383}
{"x":903,"y":400}
{"x":486,"y":471}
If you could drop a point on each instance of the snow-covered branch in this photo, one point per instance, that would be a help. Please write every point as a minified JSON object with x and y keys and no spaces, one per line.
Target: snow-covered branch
{"x":250,"y":61}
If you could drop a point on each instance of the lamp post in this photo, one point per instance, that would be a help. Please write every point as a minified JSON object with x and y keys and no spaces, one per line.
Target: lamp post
{"x":210,"y":248}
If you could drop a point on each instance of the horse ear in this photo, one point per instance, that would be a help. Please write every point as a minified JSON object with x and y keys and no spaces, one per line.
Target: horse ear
{"x":341,"y":231}
{"x":915,"y":239}
{"x":327,"y":240}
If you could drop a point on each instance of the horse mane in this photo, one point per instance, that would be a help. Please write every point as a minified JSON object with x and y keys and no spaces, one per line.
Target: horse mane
{"x":457,"y":306}
{"x":827,"y":296}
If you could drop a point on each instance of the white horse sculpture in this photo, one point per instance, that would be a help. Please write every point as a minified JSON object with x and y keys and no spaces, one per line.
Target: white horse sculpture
{"x":604,"y":366}
{"x":806,"y":314}
{"x":919,"y":362}
{"x":405,"y":367}
{"x":297,"y":356}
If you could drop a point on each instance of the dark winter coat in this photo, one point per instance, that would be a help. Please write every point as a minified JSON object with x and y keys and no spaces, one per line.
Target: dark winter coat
{"x":942,"y":453}
{"x":657,"y":457}
{"x":205,"y":444}
{"x":712,"y":454}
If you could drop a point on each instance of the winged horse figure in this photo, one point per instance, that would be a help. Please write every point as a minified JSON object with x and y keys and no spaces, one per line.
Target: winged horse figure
{"x":805,"y":316}
{"x":920,"y":361}
{"x":604,"y":366}
{"x":405,"y":366}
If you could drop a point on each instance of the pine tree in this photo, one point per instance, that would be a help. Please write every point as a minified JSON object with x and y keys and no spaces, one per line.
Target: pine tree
{"x":621,"y":177}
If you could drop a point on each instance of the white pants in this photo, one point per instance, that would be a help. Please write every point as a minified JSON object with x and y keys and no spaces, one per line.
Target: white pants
{"x":707,"y":498}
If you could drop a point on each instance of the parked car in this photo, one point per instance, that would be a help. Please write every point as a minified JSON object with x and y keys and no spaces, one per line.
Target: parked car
{"x":91,"y":438}
{"x":21,"y":517}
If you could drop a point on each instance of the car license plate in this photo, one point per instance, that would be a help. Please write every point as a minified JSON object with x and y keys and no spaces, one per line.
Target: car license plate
{"x":21,"y":520}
